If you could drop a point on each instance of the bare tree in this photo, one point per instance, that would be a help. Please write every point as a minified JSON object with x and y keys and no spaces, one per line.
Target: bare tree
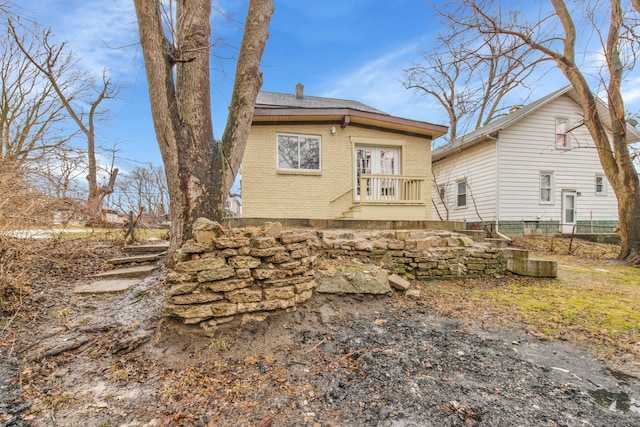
{"x":440,"y":190}
{"x":199,"y":170}
{"x":81,"y":96}
{"x":59,"y":175}
{"x":143,"y":187}
{"x":614,"y":25}
{"x":470,"y":78}
{"x":30,"y":115}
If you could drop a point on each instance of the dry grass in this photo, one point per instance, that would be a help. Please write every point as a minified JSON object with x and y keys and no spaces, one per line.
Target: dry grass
{"x":577,"y":248}
{"x":45,"y":250}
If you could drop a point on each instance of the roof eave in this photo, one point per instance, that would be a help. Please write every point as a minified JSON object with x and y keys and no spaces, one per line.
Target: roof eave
{"x":463,"y":145}
{"x":348,"y":116}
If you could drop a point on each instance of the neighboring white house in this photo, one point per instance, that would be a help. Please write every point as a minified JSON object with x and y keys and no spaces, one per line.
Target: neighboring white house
{"x":532,"y":171}
{"x":233,"y":206}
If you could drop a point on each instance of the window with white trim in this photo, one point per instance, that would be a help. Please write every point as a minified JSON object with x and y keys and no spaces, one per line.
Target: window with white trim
{"x":562,"y":140}
{"x":299,"y":152}
{"x":601,"y":188}
{"x":461,"y":199}
{"x":546,"y":187}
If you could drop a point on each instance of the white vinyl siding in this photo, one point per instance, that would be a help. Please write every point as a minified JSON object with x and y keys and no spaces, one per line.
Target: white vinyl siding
{"x":504,"y":177}
{"x":528,"y":147}
{"x":480,"y":176}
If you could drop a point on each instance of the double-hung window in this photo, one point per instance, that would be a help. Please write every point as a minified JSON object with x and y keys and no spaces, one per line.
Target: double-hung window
{"x":299,"y":152}
{"x":546,"y":187}
{"x":461,"y":199}
{"x":601,"y":188}
{"x":562,"y":140}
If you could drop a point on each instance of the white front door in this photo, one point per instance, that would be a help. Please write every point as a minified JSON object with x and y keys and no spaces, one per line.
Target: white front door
{"x":377,"y":161}
{"x":569,"y":201}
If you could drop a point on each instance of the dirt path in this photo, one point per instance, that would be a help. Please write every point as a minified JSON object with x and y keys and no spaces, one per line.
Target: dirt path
{"x":337,"y":361}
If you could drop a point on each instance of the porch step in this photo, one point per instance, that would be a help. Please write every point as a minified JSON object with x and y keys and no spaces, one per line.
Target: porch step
{"x":350,"y":213}
{"x":384,"y":211}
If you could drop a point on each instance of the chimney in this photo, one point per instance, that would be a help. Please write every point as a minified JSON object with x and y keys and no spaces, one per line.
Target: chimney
{"x":299,"y":91}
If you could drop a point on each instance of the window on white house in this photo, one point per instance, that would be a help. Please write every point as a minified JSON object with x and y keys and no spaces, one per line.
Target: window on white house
{"x":546,"y":187}
{"x":298,"y":152}
{"x":461,"y":200}
{"x":562,"y":142}
{"x":600,"y":185}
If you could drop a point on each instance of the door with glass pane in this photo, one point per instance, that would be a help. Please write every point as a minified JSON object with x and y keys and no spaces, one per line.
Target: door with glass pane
{"x":569,"y":200}
{"x":377,"y":161}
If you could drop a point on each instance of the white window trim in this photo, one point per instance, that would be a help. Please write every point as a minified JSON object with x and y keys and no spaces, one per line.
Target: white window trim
{"x":604,"y":184}
{"x":551,"y":188}
{"x":294,"y":171}
{"x":458,"y":194}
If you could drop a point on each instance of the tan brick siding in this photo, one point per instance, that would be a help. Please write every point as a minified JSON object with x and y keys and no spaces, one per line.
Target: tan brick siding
{"x":267,"y":193}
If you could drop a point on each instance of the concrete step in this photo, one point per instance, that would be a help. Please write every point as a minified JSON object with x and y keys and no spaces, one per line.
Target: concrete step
{"x":134,"y":258}
{"x":155,"y":248}
{"x":498,"y":243}
{"x":477,"y":235}
{"x":105,"y":286}
{"x":126,"y":273}
{"x":518,"y":262}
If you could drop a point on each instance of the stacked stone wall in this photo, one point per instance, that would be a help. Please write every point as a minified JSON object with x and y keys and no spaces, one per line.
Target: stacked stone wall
{"x":244,"y":274}
{"x":226,"y":275}
{"x":418,"y":254}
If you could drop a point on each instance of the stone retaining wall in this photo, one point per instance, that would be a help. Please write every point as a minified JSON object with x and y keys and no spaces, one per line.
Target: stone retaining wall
{"x":244,"y":274}
{"x":225,"y":275}
{"x":419,"y":254}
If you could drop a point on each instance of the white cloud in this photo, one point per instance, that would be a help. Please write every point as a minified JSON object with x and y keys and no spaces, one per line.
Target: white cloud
{"x":378,"y":83}
{"x":102,"y":34}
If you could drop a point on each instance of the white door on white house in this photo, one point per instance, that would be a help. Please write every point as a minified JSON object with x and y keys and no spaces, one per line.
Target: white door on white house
{"x":569,"y":202}
{"x":377,"y":161}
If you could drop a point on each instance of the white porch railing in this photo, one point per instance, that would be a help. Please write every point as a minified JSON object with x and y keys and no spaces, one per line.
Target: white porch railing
{"x":391,"y":189}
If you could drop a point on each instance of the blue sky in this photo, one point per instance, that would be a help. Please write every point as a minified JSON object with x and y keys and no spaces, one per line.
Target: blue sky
{"x":353,"y":49}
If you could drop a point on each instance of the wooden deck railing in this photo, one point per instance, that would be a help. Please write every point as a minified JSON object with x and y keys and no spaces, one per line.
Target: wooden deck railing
{"x":391,"y":189}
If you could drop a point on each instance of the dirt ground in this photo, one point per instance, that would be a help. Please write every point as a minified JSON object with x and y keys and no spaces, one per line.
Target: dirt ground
{"x":110,"y":360}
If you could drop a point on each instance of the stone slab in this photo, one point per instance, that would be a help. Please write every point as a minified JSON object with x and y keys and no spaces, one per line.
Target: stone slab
{"x":105,"y":286}
{"x":125,"y":273}
{"x":132,"y":259}
{"x":362,"y":282}
{"x":146,"y":249}
{"x":398,"y":282}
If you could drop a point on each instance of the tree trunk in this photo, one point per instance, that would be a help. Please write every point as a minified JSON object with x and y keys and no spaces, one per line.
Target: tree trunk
{"x":613,"y":150}
{"x":199,"y":171}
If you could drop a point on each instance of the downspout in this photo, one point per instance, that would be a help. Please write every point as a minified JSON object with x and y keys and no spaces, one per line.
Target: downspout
{"x":497,"y":207}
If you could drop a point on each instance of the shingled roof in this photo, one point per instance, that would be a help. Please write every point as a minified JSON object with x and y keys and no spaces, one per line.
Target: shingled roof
{"x":288,"y":100}
{"x":273,"y":107}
